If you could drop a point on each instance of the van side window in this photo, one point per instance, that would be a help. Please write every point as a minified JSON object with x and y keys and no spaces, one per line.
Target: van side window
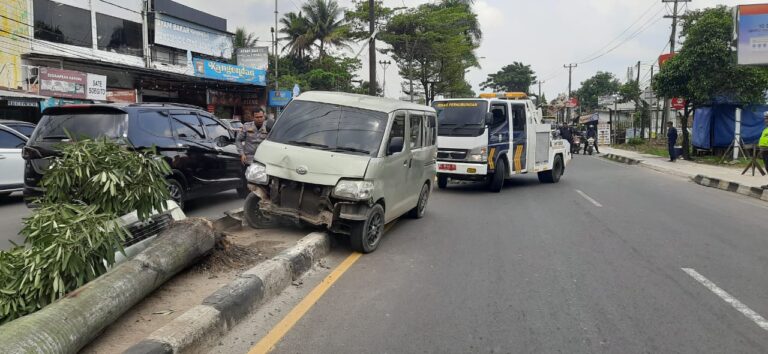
{"x":431,"y":131}
{"x":417,"y":123}
{"x":397,"y":131}
{"x":187,"y":126}
{"x":155,"y":123}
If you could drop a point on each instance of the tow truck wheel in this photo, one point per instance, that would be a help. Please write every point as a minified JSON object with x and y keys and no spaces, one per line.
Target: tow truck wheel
{"x":442,"y":182}
{"x":553,"y":175}
{"x":496,"y":182}
{"x":253,"y":216}
{"x":421,"y":208}
{"x":366,"y":235}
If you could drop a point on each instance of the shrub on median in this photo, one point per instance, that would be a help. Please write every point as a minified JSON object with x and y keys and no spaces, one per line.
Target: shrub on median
{"x":72,"y":236}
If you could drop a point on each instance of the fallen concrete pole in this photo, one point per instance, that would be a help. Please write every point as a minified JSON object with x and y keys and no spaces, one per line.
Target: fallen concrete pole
{"x":72,"y":322}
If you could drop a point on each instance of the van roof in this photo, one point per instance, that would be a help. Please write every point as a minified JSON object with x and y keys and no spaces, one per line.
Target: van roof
{"x":380,"y":104}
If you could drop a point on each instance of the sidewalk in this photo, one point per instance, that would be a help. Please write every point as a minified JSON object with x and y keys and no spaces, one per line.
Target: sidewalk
{"x":726,"y":178}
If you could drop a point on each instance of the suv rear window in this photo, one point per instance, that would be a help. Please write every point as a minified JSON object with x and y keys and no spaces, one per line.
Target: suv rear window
{"x":80,"y":125}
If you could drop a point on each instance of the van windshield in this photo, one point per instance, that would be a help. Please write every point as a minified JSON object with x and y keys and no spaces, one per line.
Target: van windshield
{"x":60,"y":127}
{"x":461,"y":118}
{"x":330,"y":127}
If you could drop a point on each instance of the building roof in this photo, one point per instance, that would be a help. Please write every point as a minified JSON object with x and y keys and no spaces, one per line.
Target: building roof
{"x":19,"y":94}
{"x":361,"y":101}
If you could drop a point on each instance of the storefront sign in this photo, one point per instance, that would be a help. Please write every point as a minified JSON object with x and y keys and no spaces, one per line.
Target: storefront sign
{"x":122,"y":96}
{"x":678,"y":104}
{"x":279,"y":98}
{"x":177,"y":33}
{"x":21,"y":103}
{"x":72,"y":84}
{"x":752,"y":29}
{"x":257,"y":57}
{"x":228,"y":72}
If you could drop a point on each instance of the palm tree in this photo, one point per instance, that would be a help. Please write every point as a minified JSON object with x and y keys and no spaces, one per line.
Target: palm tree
{"x":296,"y":30}
{"x":244,"y":39}
{"x":324,"y":23}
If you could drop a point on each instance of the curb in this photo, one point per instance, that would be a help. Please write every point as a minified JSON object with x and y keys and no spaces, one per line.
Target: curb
{"x":227,"y":306}
{"x":622,"y":159}
{"x":754,"y":192}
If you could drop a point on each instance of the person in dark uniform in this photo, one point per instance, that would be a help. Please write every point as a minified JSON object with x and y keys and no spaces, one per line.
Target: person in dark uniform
{"x":671,"y":141}
{"x":591,"y":133}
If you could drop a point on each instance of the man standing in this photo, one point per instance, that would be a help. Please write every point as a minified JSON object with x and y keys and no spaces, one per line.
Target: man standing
{"x":763,"y":144}
{"x":253,"y":132}
{"x":671,"y":141}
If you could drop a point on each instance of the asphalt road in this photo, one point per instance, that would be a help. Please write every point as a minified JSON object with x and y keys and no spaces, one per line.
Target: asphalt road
{"x":544,"y":269}
{"x":13,"y":209}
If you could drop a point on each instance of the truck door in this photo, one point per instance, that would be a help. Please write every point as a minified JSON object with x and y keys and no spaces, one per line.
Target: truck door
{"x":519,"y":138}
{"x":498,"y":131}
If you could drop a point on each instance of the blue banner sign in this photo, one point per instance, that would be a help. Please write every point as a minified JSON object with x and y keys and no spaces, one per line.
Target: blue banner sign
{"x":280,"y":98}
{"x":228,"y":72}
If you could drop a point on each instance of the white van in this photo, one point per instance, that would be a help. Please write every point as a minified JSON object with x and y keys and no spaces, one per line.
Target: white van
{"x":351,"y":163}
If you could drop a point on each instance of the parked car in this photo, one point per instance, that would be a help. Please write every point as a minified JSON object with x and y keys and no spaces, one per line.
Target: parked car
{"x":198,"y":146}
{"x":233,"y":125}
{"x":347,"y":162}
{"x":22,"y":127}
{"x":11,"y":163}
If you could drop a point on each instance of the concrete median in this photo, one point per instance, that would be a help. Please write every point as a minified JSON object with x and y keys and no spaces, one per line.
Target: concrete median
{"x":72,"y":322}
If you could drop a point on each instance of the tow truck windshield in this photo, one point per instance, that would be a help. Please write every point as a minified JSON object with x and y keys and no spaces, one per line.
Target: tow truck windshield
{"x":461,"y":118}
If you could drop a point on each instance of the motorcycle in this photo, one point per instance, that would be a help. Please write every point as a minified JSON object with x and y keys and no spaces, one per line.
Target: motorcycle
{"x":590,"y":145}
{"x":576,"y":146}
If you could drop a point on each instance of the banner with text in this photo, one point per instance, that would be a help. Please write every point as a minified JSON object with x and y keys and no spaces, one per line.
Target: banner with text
{"x":72,"y":84}
{"x":228,"y":72}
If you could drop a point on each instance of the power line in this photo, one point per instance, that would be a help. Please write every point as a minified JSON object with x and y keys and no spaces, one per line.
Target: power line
{"x":631,"y":37}
{"x":623,"y":32}
{"x":122,"y":7}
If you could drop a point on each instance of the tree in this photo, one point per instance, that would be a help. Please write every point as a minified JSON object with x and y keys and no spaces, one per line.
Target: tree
{"x":358,"y":20}
{"x":516,"y":77}
{"x":325,"y":25}
{"x":601,"y":84}
{"x":243,"y":38}
{"x":704,"y":71}
{"x":433,"y":44}
{"x":630,"y":92}
{"x":296,"y":30}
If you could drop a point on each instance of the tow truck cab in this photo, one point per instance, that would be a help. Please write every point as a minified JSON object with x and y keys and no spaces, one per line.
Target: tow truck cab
{"x":494,"y":137}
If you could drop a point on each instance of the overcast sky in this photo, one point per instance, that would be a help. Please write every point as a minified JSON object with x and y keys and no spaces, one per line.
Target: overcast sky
{"x":546,"y":34}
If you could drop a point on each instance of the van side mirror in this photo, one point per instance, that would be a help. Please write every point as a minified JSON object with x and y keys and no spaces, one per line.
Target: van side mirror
{"x":395,"y":145}
{"x":488,"y":118}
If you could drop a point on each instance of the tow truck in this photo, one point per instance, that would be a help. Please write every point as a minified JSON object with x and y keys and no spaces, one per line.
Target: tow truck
{"x":495,"y":137}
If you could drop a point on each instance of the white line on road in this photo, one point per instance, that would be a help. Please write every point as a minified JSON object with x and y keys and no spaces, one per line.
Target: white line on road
{"x":738,"y":305}
{"x":589,"y":198}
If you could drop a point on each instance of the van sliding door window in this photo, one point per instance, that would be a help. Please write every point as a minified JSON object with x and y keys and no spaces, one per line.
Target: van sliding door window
{"x":417,"y":123}
{"x":398,"y":130}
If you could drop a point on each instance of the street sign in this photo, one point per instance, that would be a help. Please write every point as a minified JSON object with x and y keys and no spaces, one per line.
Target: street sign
{"x":296,"y":90}
{"x":606,"y":100}
{"x":279,"y":98}
{"x":572,"y":103}
{"x":678,"y":104}
{"x":664,"y":57}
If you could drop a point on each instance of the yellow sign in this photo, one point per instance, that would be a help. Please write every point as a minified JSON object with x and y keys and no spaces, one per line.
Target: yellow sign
{"x":456,"y":104}
{"x":14,"y":20}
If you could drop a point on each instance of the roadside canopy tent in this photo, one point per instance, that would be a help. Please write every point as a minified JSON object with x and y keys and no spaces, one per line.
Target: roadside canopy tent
{"x":714,"y":126}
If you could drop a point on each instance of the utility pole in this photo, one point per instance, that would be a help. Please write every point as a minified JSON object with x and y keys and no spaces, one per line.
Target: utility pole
{"x":637,"y":104}
{"x":539,"y":92}
{"x":384,"y":65}
{"x":277,"y":55}
{"x":667,"y":109}
{"x":570,"y":68}
{"x":371,"y":49}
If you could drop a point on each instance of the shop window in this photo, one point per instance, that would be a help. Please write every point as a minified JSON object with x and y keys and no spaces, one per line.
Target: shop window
{"x":59,"y":23}
{"x":118,"y":35}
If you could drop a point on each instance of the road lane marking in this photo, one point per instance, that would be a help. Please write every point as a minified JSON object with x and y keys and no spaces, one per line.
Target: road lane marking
{"x":589,"y":198}
{"x":266,"y":344}
{"x":738,"y":305}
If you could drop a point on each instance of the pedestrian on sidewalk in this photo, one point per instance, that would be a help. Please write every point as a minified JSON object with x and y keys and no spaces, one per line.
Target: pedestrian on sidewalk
{"x":763,"y":144}
{"x":253,"y":132}
{"x":671,"y":141}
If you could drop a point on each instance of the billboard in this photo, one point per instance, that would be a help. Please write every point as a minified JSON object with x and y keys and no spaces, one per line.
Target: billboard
{"x":752,"y":34}
{"x":72,"y":84}
{"x":228,"y":72}
{"x":176,"y":33}
{"x":257,"y":57}
{"x":280,"y":98}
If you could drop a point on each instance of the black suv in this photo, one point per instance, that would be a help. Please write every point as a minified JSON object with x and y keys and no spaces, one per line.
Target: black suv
{"x":197,"y":146}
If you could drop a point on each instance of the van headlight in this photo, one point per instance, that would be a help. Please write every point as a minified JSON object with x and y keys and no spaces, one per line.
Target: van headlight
{"x":479,"y":154}
{"x":354,"y":190}
{"x":257,"y":173}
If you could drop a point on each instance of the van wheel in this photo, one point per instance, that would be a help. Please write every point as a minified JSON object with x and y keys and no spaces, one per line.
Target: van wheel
{"x":553,"y":175}
{"x":421,"y":207}
{"x":496,"y":182}
{"x":442,"y":182}
{"x":366,"y":235}
{"x":176,"y":191}
{"x":253,"y":215}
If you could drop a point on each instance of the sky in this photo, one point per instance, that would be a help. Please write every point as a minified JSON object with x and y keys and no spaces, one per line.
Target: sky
{"x":598,"y":35}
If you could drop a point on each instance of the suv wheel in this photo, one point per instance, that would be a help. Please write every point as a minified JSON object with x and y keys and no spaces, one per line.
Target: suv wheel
{"x":366,"y":235}
{"x":176,"y":191}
